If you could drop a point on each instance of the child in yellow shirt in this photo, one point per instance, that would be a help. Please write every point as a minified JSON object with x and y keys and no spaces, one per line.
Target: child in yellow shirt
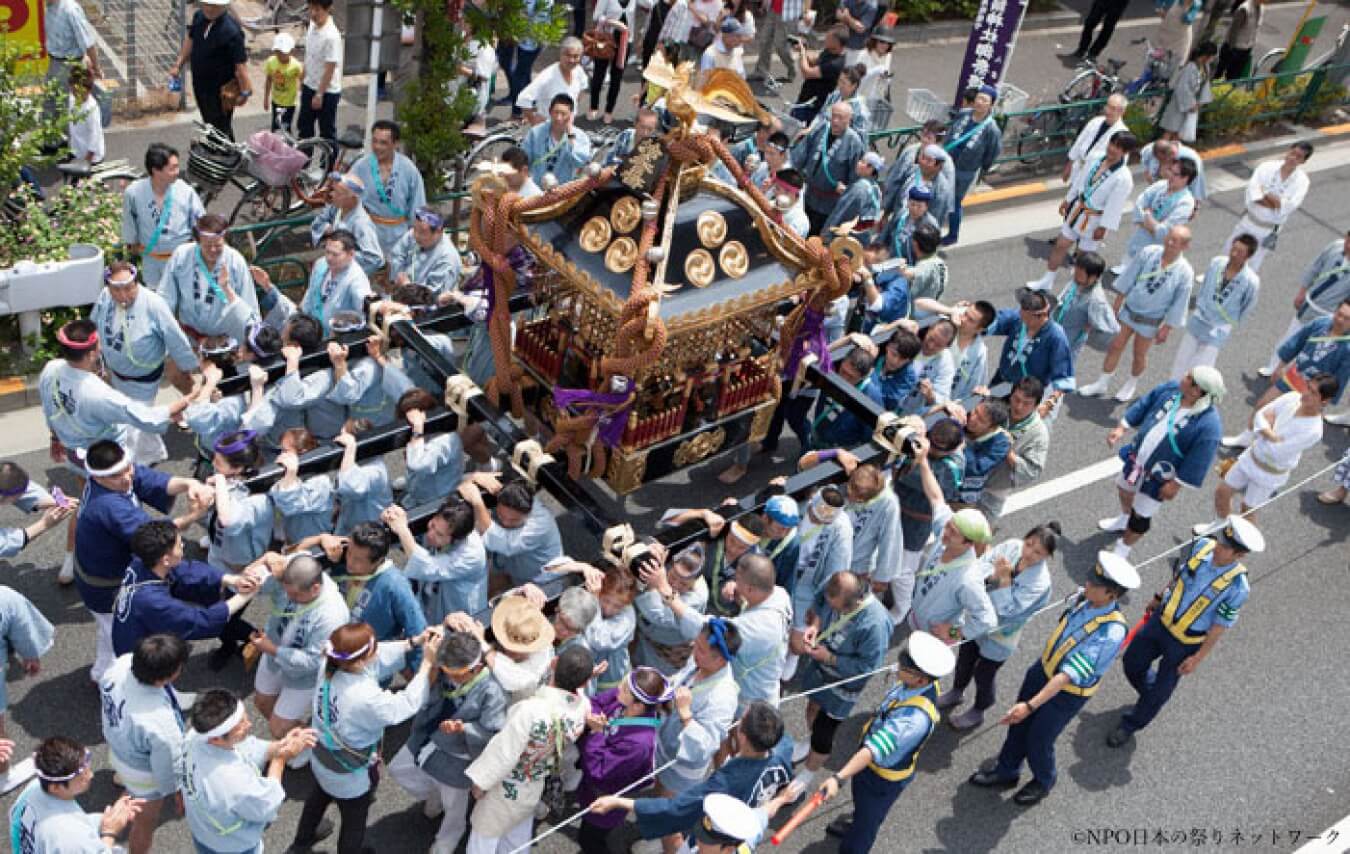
{"x":282,"y":88}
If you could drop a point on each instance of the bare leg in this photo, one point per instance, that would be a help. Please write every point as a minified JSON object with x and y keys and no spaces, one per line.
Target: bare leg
{"x":1058,"y":253}
{"x":264,"y":703}
{"x":1139,"y":356}
{"x":1126,"y":500}
{"x":1223,"y":500}
{"x":143,"y":827}
{"x":1116,"y":349}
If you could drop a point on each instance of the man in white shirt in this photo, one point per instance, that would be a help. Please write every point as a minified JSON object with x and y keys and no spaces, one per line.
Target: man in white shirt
{"x":564,"y":77}
{"x":1283,"y":430}
{"x":321,"y":87}
{"x":1275,"y":191}
{"x":1092,"y":209}
{"x":726,"y":50}
{"x":1092,"y":139}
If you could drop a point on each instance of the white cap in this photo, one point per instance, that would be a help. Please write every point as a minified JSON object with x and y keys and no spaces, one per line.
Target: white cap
{"x":929,"y":654}
{"x":283,"y":43}
{"x":215,"y":2}
{"x":1242,"y":534}
{"x":727,"y":821}
{"x":1117,"y":570}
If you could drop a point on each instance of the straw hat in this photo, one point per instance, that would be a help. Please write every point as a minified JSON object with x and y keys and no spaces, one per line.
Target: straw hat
{"x":520,"y":627}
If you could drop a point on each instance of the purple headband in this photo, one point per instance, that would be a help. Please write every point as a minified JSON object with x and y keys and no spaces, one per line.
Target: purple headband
{"x":429,"y":217}
{"x":108,"y":274}
{"x":345,"y":656}
{"x":667,"y":691}
{"x":252,"y":337}
{"x":245,"y":439}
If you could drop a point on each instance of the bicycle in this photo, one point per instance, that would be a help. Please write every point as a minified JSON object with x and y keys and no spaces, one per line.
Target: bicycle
{"x":278,"y":15}
{"x":215,"y":162}
{"x":1098,"y":80}
{"x":1270,"y":61}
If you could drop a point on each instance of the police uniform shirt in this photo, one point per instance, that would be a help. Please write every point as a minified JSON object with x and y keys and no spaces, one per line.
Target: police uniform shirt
{"x":1196,"y":574}
{"x":895,"y":734}
{"x":1092,"y":655}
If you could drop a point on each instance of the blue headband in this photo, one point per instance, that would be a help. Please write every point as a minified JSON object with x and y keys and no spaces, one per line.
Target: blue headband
{"x":717,"y":636}
{"x":429,"y":218}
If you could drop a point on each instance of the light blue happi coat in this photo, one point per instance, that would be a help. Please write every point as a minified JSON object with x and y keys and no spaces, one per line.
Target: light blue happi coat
{"x":306,"y":508}
{"x":523,"y":552}
{"x":81,"y":409}
{"x":158,"y":228}
{"x":249,"y":532}
{"x":23,"y":632}
{"x":212,"y":419}
{"x":194,"y":293}
{"x":564,"y":158}
{"x":657,"y":624}
{"x":397,"y":199}
{"x":135,"y":341}
{"x":369,"y":252}
{"x":439,"y":267}
{"x":1168,"y":209}
{"x":435,"y":468}
{"x":227,"y":801}
{"x":363,"y":494}
{"x":1154,"y":294}
{"x":1221,"y":306}
{"x":450,"y":580}
{"x":344,"y":290}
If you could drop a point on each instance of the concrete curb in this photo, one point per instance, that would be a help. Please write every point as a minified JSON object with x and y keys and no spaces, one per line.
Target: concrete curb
{"x":1029,"y":191}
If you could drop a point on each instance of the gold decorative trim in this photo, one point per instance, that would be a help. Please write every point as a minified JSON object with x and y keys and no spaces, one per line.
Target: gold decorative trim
{"x":594,"y":234}
{"x":621,"y":255}
{"x":759,"y":427}
{"x":711,"y":228}
{"x":625,"y":214}
{"x":699,"y":268}
{"x":735,"y":260}
{"x":626,"y":471}
{"x":700,"y":447}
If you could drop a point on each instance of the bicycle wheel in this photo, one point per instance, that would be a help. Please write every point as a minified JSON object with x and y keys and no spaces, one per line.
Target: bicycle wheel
{"x":260,"y":203}
{"x":1031,"y":138}
{"x":289,"y":12}
{"x":491,"y":149}
{"x":1083,"y":87}
{"x":1269,"y":63}
{"x":322,"y":154}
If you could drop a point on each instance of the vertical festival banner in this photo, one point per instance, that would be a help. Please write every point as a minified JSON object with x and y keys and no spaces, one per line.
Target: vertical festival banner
{"x":989,"y":50}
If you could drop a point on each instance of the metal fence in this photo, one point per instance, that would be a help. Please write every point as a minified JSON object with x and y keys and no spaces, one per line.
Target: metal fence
{"x":138,"y":42}
{"x":1048,"y":131}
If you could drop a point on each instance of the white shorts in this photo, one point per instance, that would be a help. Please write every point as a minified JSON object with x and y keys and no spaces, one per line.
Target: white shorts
{"x":1255,"y":483}
{"x":1084,"y":238}
{"x":293,"y":704}
{"x":1144,"y":506}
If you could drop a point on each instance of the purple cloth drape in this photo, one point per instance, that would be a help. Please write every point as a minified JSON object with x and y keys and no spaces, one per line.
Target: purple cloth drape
{"x":811,"y":338}
{"x":612,"y":424}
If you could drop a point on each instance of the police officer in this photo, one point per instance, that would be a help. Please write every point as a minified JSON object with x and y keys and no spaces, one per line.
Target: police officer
{"x":1082,"y":647}
{"x":1185,"y":621}
{"x":884,"y":764}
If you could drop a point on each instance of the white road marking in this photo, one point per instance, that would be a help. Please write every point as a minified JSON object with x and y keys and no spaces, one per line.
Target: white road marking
{"x":1062,"y":485}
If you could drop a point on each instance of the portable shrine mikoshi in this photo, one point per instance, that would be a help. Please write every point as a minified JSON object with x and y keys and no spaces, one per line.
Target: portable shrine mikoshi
{"x":670,"y":306}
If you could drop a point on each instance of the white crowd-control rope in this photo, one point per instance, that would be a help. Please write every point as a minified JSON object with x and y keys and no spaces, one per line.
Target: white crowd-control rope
{"x":1053,"y":606}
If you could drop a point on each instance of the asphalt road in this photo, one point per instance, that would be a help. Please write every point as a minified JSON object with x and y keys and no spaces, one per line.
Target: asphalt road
{"x":1251,"y":744}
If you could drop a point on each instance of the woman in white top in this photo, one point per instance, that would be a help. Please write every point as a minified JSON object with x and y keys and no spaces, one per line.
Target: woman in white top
{"x":619,"y":19}
{"x":86,"y":124}
{"x":876,"y":58}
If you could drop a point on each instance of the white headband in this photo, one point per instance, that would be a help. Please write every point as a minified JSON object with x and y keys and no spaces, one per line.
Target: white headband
{"x":116,"y":468}
{"x":223,"y":728}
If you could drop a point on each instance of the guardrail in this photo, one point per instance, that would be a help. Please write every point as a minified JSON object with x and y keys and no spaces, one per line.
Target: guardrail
{"x":1047,"y":131}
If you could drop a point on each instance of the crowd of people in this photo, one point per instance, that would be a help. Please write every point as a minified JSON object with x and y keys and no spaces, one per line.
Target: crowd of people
{"x":652,"y":686}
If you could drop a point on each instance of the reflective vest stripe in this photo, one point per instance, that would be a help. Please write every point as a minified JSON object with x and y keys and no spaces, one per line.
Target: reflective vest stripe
{"x":1180,"y":627}
{"x":1055,"y":652}
{"x":886,"y":741}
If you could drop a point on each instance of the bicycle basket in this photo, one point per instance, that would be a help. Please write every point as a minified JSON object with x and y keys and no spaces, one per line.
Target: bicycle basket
{"x":210,"y":166}
{"x":272,"y":160}
{"x":879,"y":112}
{"x":924,"y":105}
{"x":1011,"y":99}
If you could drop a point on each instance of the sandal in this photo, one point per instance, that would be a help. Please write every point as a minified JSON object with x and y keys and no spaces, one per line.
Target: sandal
{"x":1330,"y":497}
